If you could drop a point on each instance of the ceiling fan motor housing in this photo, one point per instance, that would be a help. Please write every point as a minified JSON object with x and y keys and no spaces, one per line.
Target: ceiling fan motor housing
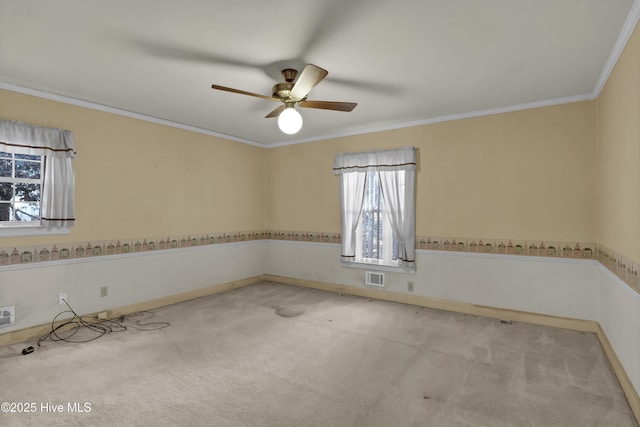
{"x":283,"y":90}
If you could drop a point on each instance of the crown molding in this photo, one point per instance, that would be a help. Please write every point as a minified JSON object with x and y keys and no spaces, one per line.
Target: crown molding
{"x":118,"y":111}
{"x":447,"y":118}
{"x":625,"y":34}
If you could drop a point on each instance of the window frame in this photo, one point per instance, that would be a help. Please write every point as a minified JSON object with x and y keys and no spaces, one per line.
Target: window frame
{"x":400,"y":212}
{"x":29,"y":228}
{"x":13,"y":180}
{"x":32,"y":230}
{"x":386,"y":261}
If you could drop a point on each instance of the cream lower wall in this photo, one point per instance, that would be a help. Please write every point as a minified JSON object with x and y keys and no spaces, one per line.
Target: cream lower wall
{"x":550,"y":286}
{"x":130,"y":278}
{"x":579,"y":289}
{"x":618,"y":312}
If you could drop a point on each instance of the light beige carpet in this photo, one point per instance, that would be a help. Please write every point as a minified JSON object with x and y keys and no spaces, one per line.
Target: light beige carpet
{"x":278,"y":355}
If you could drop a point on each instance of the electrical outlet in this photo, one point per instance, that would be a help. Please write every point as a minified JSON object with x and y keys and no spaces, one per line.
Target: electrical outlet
{"x":7,"y":316}
{"x":410,"y":286}
{"x":104,"y":291}
{"x":103,"y":315}
{"x":62,"y":298}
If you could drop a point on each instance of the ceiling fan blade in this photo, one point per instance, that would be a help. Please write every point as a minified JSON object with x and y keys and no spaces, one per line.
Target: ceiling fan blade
{"x":187,"y":53}
{"x":329,"y":105}
{"x":276,"y":112}
{"x":243,"y":92}
{"x":308,"y":79}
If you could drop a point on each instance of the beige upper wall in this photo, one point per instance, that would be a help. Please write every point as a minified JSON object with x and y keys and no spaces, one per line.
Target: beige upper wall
{"x":523,"y":175}
{"x":137,"y":179}
{"x":619,"y":155}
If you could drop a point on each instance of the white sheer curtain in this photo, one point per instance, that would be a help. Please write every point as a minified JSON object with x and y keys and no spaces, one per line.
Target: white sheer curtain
{"x":352,"y":186}
{"x":58,"y":147}
{"x":397,"y":175}
{"x":398,"y":189}
{"x":58,"y":192}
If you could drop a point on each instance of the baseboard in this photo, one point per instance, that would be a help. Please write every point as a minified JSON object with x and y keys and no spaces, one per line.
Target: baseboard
{"x":447,"y":305}
{"x":35,"y":332}
{"x":580,"y":325}
{"x":629,"y":390}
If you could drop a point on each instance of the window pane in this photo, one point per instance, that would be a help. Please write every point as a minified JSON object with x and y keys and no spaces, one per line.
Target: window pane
{"x":372,"y":218}
{"x":5,"y":208}
{"x":27,"y":169}
{"x":27,"y":157}
{"x":20,"y":201}
{"x":6,"y":191}
{"x":27,"y":211}
{"x":5,"y":167}
{"x":28,"y":192}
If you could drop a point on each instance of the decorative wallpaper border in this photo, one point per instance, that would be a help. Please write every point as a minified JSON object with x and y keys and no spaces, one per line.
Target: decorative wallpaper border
{"x":61,"y":251}
{"x":304,"y":236}
{"x":623,"y":267}
{"x":509,"y":247}
{"x":52,"y":252}
{"x":494,"y":246}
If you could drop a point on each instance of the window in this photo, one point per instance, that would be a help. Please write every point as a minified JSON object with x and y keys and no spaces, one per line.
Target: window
{"x":377,"y":203}
{"x":37,"y":180}
{"x":375,"y":240}
{"x":20,"y":188}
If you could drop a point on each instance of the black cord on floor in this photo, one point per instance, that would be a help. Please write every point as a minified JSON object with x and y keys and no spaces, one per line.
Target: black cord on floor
{"x":147,"y":326}
{"x":97,"y":327}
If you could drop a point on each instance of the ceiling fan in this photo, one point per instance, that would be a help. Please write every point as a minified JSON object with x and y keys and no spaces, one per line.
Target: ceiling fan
{"x":292,"y":91}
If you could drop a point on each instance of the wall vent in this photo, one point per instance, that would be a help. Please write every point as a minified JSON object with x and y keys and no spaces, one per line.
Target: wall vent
{"x":374,"y":278}
{"x":7,"y":316}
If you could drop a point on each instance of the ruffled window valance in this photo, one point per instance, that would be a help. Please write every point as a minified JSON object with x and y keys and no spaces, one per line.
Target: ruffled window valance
{"x":24,"y":138}
{"x":383,"y":160}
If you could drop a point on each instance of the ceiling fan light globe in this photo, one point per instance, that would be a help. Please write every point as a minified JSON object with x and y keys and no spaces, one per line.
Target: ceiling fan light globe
{"x":290,"y":121}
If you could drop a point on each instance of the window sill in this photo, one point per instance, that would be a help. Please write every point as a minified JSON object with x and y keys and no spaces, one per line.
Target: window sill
{"x":31,"y":230}
{"x":375,"y":266}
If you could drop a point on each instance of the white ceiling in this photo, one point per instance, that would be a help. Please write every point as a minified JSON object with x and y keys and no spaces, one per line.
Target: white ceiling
{"x":405,"y":62}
